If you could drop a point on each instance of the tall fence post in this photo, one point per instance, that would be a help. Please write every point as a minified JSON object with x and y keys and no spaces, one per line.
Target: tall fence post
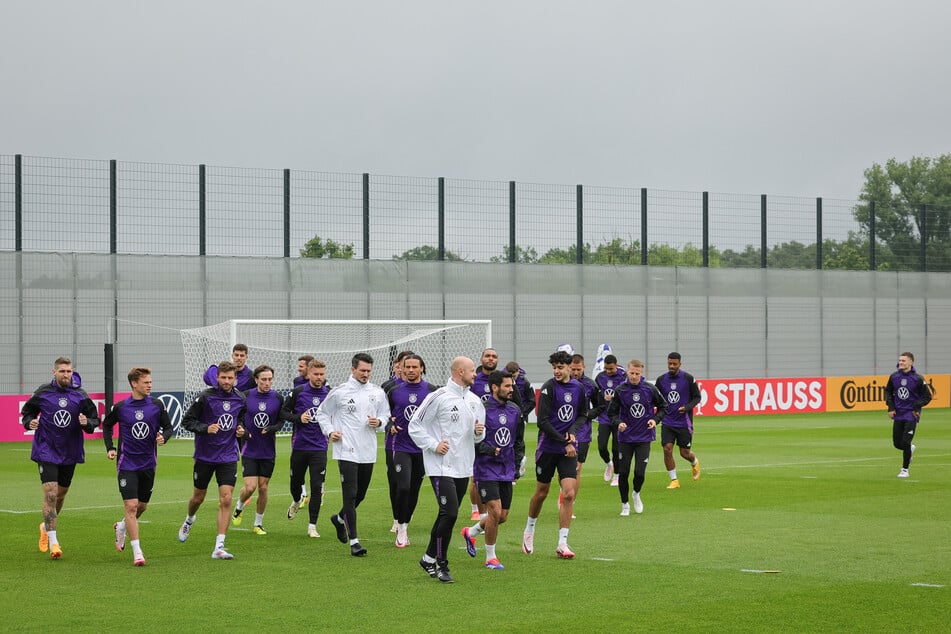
{"x":643,"y":226}
{"x":113,"y":208}
{"x":441,"y":213}
{"x":819,"y":233}
{"x":706,"y":229}
{"x":287,"y":213}
{"x":366,"y":216}
{"x":202,"y":233}
{"x":871,"y":235}
{"x":762,"y":231}
{"x":579,"y":225}
{"x":18,"y":202}
{"x":512,"y":246}
{"x":923,"y":254}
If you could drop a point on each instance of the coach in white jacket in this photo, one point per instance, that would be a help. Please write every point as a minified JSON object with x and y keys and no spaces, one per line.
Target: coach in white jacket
{"x":351,"y":416}
{"x":447,"y":427}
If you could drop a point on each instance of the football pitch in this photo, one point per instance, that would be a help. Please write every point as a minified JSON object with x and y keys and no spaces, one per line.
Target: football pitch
{"x":798,"y":523}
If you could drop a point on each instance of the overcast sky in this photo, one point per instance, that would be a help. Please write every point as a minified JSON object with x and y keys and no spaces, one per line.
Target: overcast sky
{"x":728,"y":96}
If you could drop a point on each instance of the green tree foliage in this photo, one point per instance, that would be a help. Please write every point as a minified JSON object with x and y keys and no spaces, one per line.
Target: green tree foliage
{"x":905,"y":193}
{"x":316,"y":247}
{"x":426,"y":252}
{"x":522,"y":255}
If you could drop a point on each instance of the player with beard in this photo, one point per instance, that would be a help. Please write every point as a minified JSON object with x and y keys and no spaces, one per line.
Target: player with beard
{"x":494,"y":468}
{"x":143,"y":425}
{"x":607,"y":381}
{"x":214,"y":418}
{"x":682,"y":394}
{"x":58,"y":412}
{"x":308,"y":443}
{"x":635,"y":409}
{"x":407,"y":472}
{"x":524,"y":397}
{"x":576,"y":370}
{"x":489,"y":362}
{"x":302,"y":362}
{"x":244,"y":380}
{"x":562,"y":405}
{"x":262,"y":420}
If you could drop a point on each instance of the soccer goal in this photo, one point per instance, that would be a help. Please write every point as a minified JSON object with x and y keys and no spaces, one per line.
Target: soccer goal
{"x":279,"y":343}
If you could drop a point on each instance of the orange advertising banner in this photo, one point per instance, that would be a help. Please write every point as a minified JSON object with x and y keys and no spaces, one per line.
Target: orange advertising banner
{"x":867,"y":393}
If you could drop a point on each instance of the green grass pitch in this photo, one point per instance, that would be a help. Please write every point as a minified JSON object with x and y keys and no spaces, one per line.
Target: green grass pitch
{"x":815,"y":498}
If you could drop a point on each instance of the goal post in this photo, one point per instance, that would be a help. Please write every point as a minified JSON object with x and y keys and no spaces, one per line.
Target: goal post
{"x":280,"y":342}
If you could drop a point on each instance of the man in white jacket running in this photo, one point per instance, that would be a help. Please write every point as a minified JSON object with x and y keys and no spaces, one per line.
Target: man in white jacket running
{"x":447,"y":427}
{"x":351,"y":416}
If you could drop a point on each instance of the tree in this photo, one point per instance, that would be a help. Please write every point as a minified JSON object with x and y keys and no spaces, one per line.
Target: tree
{"x":317,"y":248}
{"x":906,"y":194}
{"x":523,"y":256}
{"x":426,"y":252}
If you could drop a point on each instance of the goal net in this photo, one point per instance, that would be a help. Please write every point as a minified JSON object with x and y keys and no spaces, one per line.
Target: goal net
{"x":279,"y":343}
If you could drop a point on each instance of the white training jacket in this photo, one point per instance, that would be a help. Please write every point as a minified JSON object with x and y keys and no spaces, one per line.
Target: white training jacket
{"x":345,"y":409}
{"x":450,"y":413}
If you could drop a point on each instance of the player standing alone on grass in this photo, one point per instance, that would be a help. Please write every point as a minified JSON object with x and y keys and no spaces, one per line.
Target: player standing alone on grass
{"x":214,"y":418}
{"x":682,"y":394}
{"x":143,"y":424}
{"x":351,"y":416}
{"x":905,"y":394}
{"x":562,"y":405}
{"x":262,"y":419}
{"x":446,"y":427}
{"x":58,"y":412}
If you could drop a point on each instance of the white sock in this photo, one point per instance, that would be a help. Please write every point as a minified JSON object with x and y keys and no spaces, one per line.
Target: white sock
{"x":258,"y":519}
{"x":219,"y":542}
{"x":136,"y":548}
{"x":121,"y":525}
{"x":695,"y":460}
{"x":428,"y":559}
{"x":476,"y":530}
{"x":189,"y":519}
{"x":239,"y":504}
{"x":475,"y":508}
{"x":673,"y":474}
{"x":562,"y":536}
{"x":311,"y":526}
{"x":489,"y":552}
{"x":404,"y":526}
{"x":354,"y":541}
{"x":530,"y":525}
{"x":52,"y":537}
{"x":482,"y":516}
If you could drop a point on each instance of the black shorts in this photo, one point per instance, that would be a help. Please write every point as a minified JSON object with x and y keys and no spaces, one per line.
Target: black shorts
{"x":495,"y":490}
{"x":137,"y":485}
{"x":61,"y":474}
{"x":583,"y":451}
{"x":547,"y":463}
{"x":256,"y":467}
{"x":681,"y":435}
{"x":226,"y":474}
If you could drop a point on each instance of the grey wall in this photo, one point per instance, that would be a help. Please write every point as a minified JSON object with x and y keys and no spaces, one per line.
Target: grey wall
{"x":726,"y":322}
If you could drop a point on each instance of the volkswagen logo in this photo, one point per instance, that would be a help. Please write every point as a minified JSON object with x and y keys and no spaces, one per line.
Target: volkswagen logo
{"x":140,"y":431}
{"x":62,"y":418}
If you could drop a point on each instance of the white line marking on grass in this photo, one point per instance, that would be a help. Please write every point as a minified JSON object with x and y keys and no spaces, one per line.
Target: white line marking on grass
{"x":809,"y":477}
{"x":760,"y":571}
{"x":928,"y":585}
{"x":601,"y":559}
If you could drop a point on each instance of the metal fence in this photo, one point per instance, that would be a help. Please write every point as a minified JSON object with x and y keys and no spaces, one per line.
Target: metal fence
{"x":119,"y":207}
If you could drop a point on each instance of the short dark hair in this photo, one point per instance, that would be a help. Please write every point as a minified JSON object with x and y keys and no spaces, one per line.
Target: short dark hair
{"x":560,"y":358}
{"x":62,"y":361}
{"x":674,"y":355}
{"x":909,"y":355}
{"x":137,"y":373}
{"x":512,"y":367}
{"x":360,"y":356}
{"x":262,"y":368}
{"x":610,"y":359}
{"x":497,"y":376}
{"x":402,"y":355}
{"x":306,"y":358}
{"x":240,"y":346}
{"x":577,"y":358}
{"x":226,"y":366}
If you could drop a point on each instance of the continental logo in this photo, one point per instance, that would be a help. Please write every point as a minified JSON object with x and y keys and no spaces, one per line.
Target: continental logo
{"x":867,"y":393}
{"x":852,"y":393}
